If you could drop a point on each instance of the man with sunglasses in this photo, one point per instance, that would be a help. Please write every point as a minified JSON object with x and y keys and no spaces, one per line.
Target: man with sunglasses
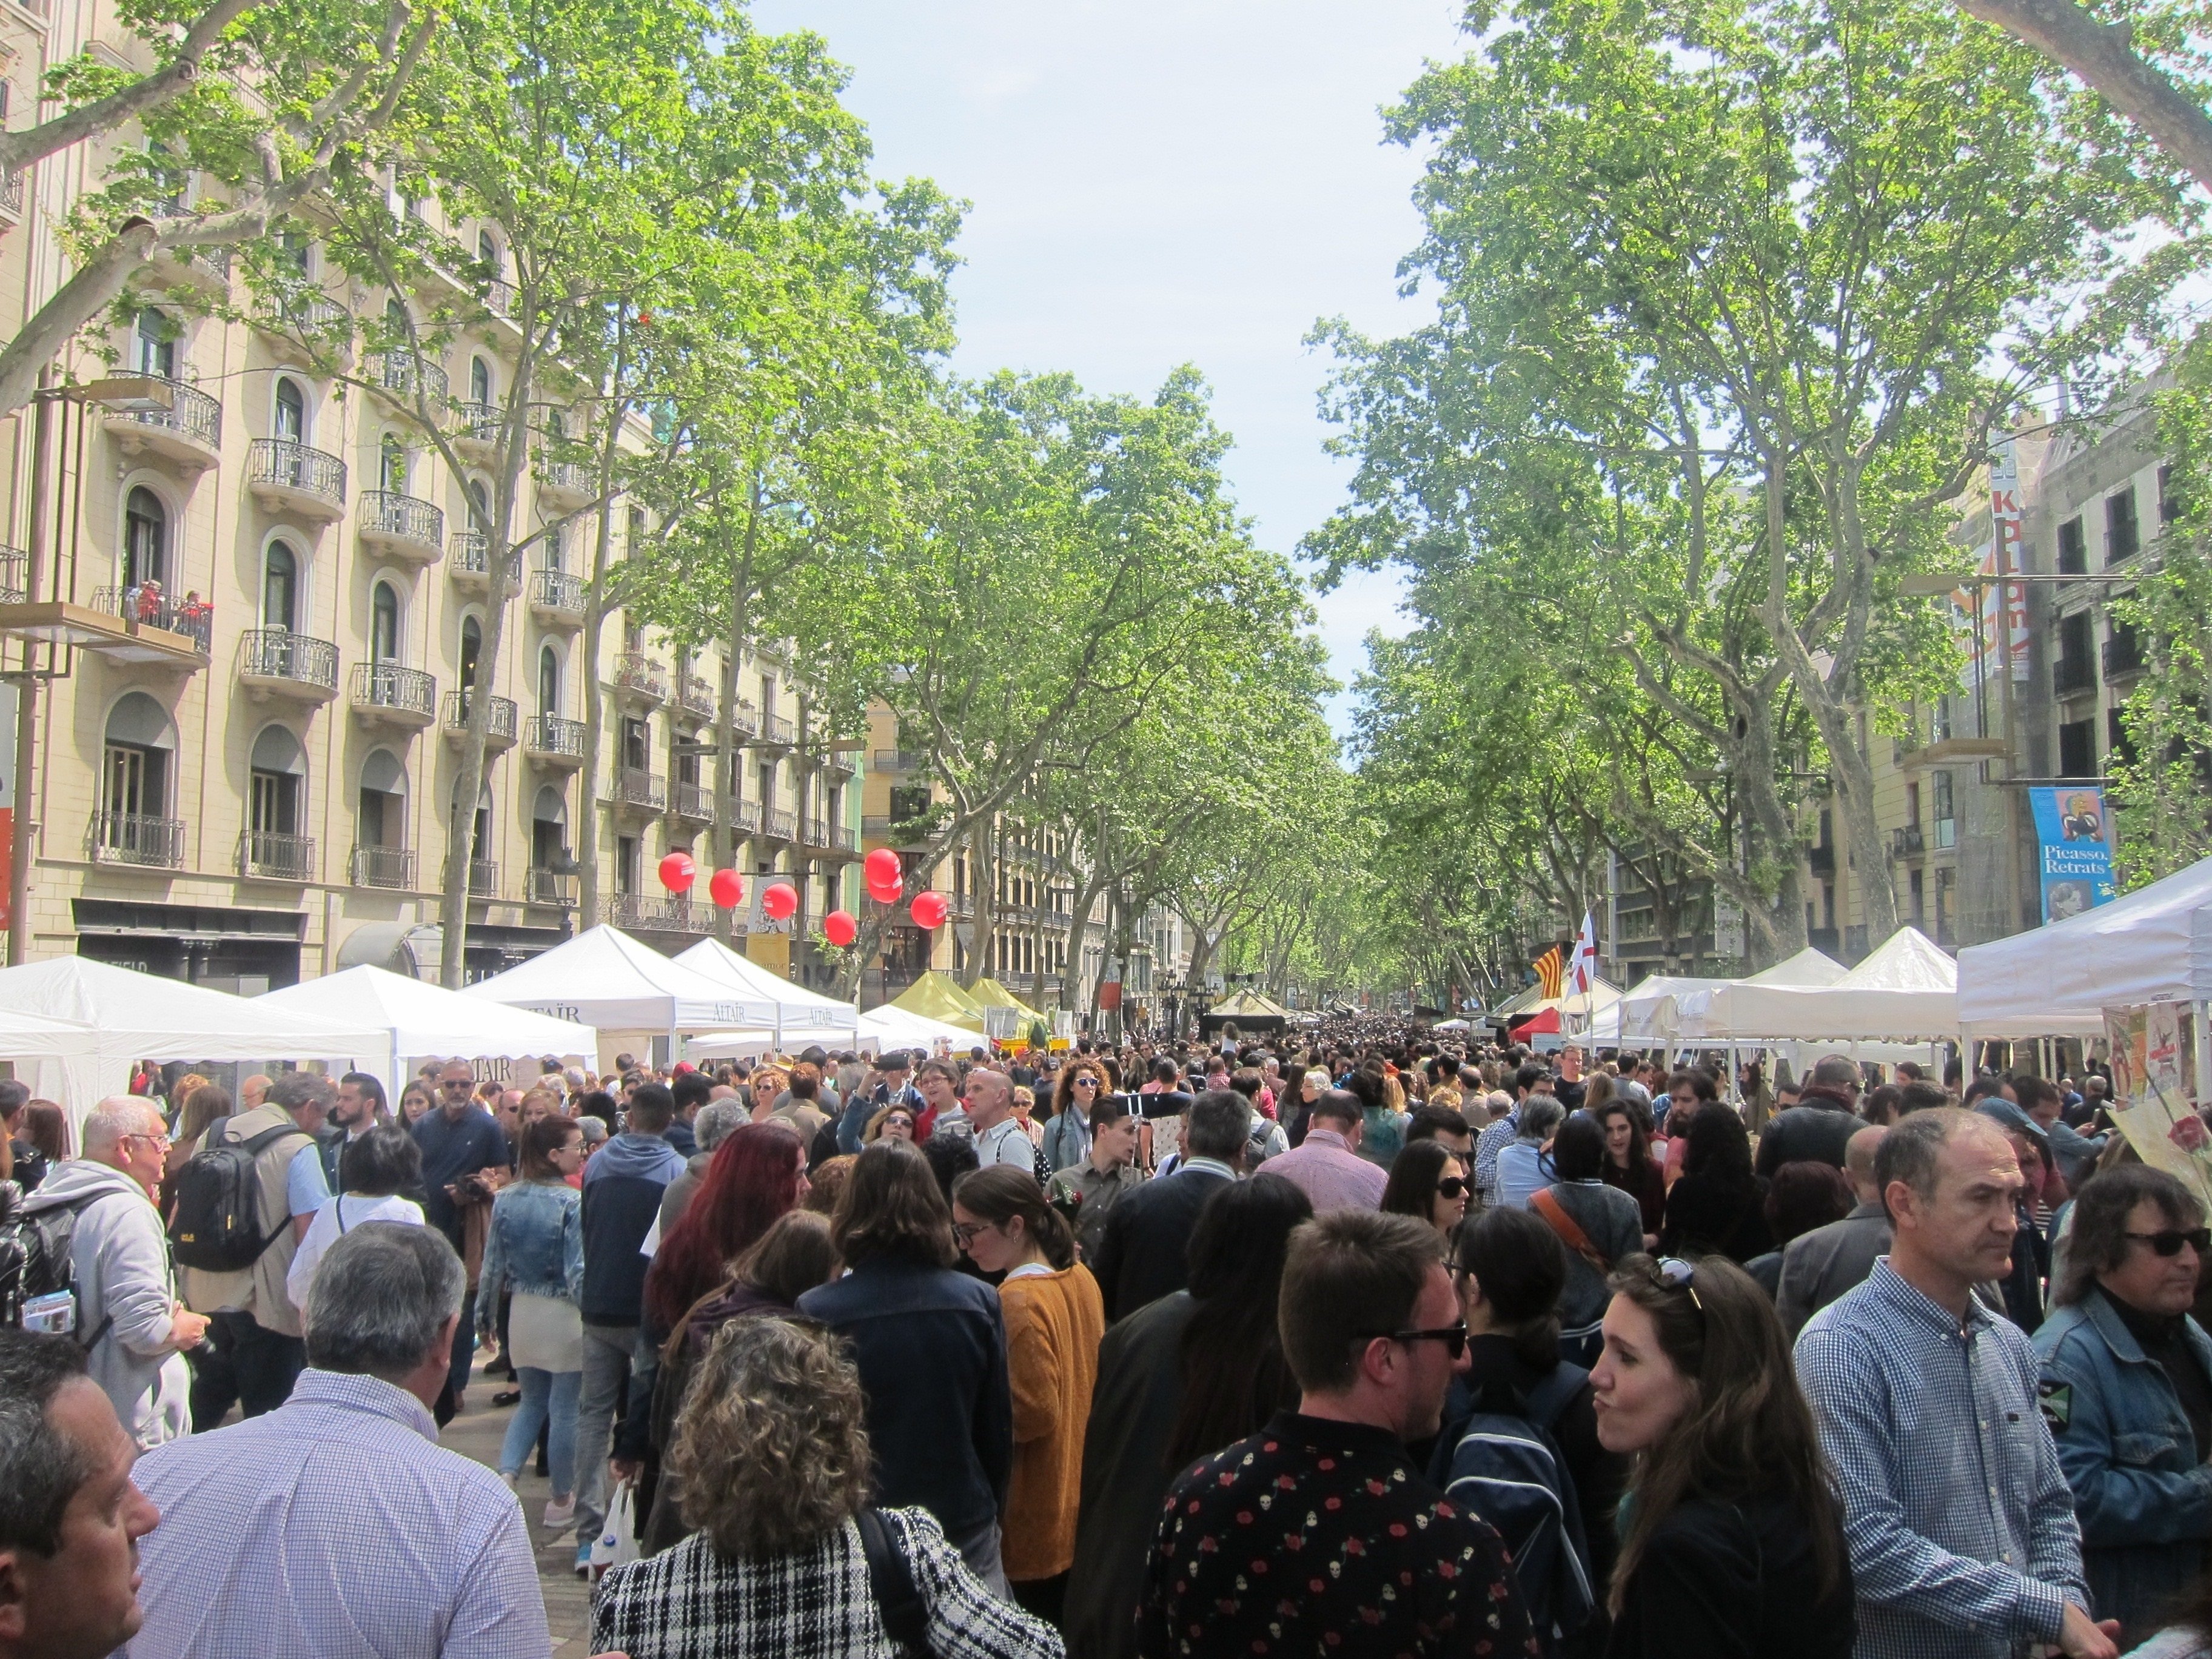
{"x":1322,"y":1524}
{"x":2127,"y":1390}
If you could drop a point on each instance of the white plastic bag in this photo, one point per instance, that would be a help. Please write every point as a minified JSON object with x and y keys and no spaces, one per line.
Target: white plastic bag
{"x":616,"y":1544}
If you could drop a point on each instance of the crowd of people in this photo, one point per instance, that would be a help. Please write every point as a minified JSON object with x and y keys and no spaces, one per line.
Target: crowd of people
{"x":1356,"y":1340}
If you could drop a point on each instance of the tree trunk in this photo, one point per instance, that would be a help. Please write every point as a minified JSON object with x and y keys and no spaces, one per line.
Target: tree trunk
{"x":727,"y":780}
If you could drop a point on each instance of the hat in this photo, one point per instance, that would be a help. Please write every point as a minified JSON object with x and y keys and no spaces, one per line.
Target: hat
{"x":2003,"y":1111}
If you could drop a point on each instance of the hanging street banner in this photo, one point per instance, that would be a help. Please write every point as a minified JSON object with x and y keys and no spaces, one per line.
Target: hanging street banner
{"x":2074,"y":849}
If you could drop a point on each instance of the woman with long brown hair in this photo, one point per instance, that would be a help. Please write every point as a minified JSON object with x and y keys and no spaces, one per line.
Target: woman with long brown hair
{"x":1733,"y":1538}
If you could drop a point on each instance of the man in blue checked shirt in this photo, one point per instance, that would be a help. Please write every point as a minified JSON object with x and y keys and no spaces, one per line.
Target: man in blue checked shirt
{"x":1960,"y":1521}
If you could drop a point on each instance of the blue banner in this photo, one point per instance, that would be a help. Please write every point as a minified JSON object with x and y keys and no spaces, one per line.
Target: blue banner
{"x":2074,"y":849}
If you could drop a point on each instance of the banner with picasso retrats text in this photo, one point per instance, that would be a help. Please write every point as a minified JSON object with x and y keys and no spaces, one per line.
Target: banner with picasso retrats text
{"x":2074,"y":849}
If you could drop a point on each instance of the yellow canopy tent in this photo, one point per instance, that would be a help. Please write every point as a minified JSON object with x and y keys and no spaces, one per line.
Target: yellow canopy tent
{"x":935,"y":996}
{"x":989,"y":994}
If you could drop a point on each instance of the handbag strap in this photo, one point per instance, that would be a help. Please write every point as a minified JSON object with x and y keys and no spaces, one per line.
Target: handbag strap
{"x":898,"y":1601}
{"x":1546,"y":1204}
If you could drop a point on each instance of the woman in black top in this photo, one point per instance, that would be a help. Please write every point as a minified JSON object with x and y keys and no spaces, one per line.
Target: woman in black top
{"x":1733,"y":1540}
{"x":1718,"y":1206}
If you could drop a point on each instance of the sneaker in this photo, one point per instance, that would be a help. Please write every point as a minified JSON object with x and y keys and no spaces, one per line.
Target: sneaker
{"x":584,"y":1559}
{"x":561,"y":1512}
{"x":513,"y":1478}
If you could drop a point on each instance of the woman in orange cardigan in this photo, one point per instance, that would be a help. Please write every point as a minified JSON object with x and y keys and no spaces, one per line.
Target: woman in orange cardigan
{"x":1055,"y":1320}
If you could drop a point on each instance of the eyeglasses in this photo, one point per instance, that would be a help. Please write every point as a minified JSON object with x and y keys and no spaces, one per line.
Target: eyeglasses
{"x":963,"y":1232}
{"x":1086,"y":1083}
{"x":461,"y":1084}
{"x":162,"y":1141}
{"x":1450,"y":1187}
{"x":899,"y":1121}
{"x":2199,"y":1239}
{"x":1454,"y":1337}
{"x":1676,"y":1274}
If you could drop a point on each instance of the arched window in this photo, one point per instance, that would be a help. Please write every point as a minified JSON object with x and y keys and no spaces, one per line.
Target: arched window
{"x":383,"y":623}
{"x":145,"y":539}
{"x":280,"y":588}
{"x":479,"y":380}
{"x":548,"y":830}
{"x":291,"y":421}
{"x":278,"y":766}
{"x":155,"y":345}
{"x":380,"y":826}
{"x":392,"y":464}
{"x":134,"y":826}
{"x":471,"y":648}
{"x":548,"y":681}
{"x":395,"y":319}
{"x":487,"y":254}
{"x":482,"y":497}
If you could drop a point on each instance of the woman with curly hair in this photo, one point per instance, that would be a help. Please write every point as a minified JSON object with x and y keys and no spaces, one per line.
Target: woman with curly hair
{"x":772,"y":1458}
{"x":1067,"y":1133}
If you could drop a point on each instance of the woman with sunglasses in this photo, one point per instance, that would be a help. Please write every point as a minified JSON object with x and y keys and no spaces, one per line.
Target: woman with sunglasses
{"x":2138,"y":1242}
{"x":1067,"y":1135}
{"x":1054,"y":1321}
{"x":1732,"y":1537}
{"x":891,"y":1123}
{"x":1427,"y":1182}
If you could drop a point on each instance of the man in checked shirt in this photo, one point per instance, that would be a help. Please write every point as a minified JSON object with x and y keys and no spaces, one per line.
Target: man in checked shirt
{"x":1959,"y":1519}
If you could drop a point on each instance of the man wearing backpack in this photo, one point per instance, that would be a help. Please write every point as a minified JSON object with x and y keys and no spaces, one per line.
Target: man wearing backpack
{"x":243,"y":1201}
{"x":92,"y":1235}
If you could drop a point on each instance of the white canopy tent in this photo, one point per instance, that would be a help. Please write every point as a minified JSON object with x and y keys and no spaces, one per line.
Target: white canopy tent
{"x":2154,"y":945}
{"x":606,"y":979}
{"x":895,"y":1028}
{"x":802,"y":1017}
{"x":1649,"y":1007}
{"x":1743,"y":1009}
{"x":421,"y":1021}
{"x":135,"y":1015}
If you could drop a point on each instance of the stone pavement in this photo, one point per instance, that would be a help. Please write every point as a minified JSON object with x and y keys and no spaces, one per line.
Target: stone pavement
{"x":477,"y":1433}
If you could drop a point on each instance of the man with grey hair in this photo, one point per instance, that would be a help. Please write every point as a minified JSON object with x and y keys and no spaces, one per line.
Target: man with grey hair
{"x":97,"y":1214}
{"x":1523,"y":1170}
{"x":1961,"y":1528}
{"x":337,"y":1524}
{"x":709,"y":1129}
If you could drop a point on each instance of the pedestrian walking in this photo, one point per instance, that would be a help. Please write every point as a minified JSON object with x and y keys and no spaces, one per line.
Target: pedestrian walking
{"x":374,"y":1173}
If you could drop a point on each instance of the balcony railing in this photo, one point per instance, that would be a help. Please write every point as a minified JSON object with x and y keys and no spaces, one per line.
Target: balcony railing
{"x":635,"y":787}
{"x":11,"y":181}
{"x":779,"y":824}
{"x":500,"y":718}
{"x":744,"y":815}
{"x":680,"y":915}
{"x":383,"y":866}
{"x":14,"y":576}
{"x":898,"y":760}
{"x":500,"y":297}
{"x":843,"y":838}
{"x":693,"y":800}
{"x":636,"y":671}
{"x":549,"y":734}
{"x":1908,"y":842}
{"x":961,"y":905}
{"x":2124,"y":656}
{"x":745,"y":720}
{"x":387,"y":686}
{"x":563,"y":478}
{"x":2073,"y":674}
{"x":131,"y":838}
{"x":548,"y":887}
{"x":404,"y":375}
{"x":468,"y":557}
{"x":779,"y":730}
{"x":698,"y":695}
{"x":279,"y":654}
{"x":630,"y":909}
{"x":483,"y":877}
{"x":478,"y":423}
{"x":557,"y":591}
{"x":396,"y":517}
{"x":286,"y":464}
{"x":277,"y":858}
{"x":817,"y":832}
{"x":194,"y":618}
{"x":193,"y":414}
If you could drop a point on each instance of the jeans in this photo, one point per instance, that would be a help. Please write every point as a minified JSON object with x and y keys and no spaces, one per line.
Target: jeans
{"x":980,"y":1550}
{"x":606,"y":1378}
{"x":245,"y":1363}
{"x":548,"y":1402}
{"x":465,"y":1344}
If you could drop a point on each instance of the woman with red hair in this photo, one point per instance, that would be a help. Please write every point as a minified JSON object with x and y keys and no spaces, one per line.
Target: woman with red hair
{"x":758,"y":1172}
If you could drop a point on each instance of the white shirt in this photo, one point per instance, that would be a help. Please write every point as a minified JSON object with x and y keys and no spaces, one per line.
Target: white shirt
{"x":1006,"y":1142}
{"x":341,"y":1215}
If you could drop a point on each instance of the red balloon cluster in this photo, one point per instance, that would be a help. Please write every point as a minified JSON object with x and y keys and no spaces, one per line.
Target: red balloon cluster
{"x":886,"y":877}
{"x":781,"y":899}
{"x":677,"y":873}
{"x":839,"y":928}
{"x":727,"y":888}
{"x":929,"y":910}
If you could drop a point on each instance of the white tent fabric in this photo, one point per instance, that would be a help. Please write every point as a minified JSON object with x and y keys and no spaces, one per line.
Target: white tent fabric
{"x":137,"y":1016}
{"x":802,"y":1017}
{"x":606,"y":979}
{"x":1905,"y":992}
{"x":895,"y":1028}
{"x":1742,"y":1008}
{"x":422,"y":1021}
{"x":38,"y":1037}
{"x":2154,"y":944}
{"x":1648,"y":1008}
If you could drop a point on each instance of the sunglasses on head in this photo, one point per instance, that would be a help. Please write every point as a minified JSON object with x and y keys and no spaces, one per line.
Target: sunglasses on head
{"x":2199,"y":1239}
{"x":1451,"y":1187}
{"x":1677,"y":1274}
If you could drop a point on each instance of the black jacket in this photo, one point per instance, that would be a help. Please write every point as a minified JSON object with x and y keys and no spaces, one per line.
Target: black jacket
{"x":1140,"y":1259}
{"x":1815,"y":1131}
{"x":1737,"y":1579}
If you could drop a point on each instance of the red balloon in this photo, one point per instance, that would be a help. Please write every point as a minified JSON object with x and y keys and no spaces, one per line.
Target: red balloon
{"x":883,"y":870}
{"x":888,"y":894}
{"x":727,"y":889}
{"x":781,"y":899}
{"x":839,"y":927}
{"x":929,"y":910}
{"x":677,"y":873}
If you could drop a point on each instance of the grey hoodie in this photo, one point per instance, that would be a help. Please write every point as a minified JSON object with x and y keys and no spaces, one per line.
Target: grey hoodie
{"x":119,"y":1260}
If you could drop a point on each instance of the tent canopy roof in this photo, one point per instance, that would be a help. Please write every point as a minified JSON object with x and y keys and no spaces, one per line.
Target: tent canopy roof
{"x":936,"y":996}
{"x":988,"y":993}
{"x":894,"y":1027}
{"x":797,"y":1007}
{"x":2154,"y":944}
{"x":606,"y":978}
{"x":424,"y":1019}
{"x":145,"y":1017}
{"x":1248,"y":1004}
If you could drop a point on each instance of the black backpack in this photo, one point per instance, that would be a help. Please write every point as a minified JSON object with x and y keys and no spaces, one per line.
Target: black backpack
{"x":35,"y":1259}
{"x":217,"y":1224}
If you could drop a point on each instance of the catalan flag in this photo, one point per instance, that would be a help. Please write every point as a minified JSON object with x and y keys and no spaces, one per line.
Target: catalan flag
{"x":1551,"y":969}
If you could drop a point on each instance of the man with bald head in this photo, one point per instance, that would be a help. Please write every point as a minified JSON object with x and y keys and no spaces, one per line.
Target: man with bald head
{"x":1819,"y":1266}
{"x":999,"y":1136}
{"x":98,"y":1213}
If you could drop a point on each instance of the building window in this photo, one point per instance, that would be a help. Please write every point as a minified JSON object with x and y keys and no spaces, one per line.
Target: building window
{"x":548,"y":681}
{"x":391,"y":465}
{"x":2118,"y":744}
{"x":471,"y":648}
{"x":637,"y":744}
{"x":291,"y":422}
{"x":145,"y":539}
{"x":479,"y":380}
{"x":2123,"y":536}
{"x":383,"y":623}
{"x":155,"y":344}
{"x":1946,"y":817}
{"x":2073,"y":549}
{"x":1917,"y":885}
{"x":273,"y":795}
{"x":280,"y":588}
{"x":626,"y":864}
{"x":382,"y":816}
{"x":2077,"y":749}
{"x":2169,"y":496}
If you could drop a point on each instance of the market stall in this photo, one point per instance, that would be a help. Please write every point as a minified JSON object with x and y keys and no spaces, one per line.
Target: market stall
{"x":936,"y":996}
{"x":801,"y":1018}
{"x":425,"y":1022}
{"x":893,"y":1027}
{"x":1248,"y":1011}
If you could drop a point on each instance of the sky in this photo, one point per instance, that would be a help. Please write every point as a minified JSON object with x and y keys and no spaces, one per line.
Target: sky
{"x":1155,"y":182}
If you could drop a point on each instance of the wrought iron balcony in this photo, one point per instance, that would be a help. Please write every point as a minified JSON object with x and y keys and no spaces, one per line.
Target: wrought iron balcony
{"x":384,"y":866}
{"x":2123,"y":655}
{"x":843,"y":840}
{"x":779,"y":825}
{"x":744,"y":816}
{"x":483,"y":877}
{"x":405,"y":378}
{"x":272,"y":857}
{"x":148,"y":606}
{"x":693,"y":800}
{"x":635,"y":787}
{"x":636,"y":673}
{"x":287,"y":475}
{"x":133,"y":838}
{"x":556,"y":596}
{"x":697,"y":695}
{"x":566,"y":480}
{"x":898,"y":760}
{"x":1908,"y":842}
{"x":2072,"y":675}
{"x":11,"y":181}
{"x":554,"y":741}
{"x":745,"y":720}
{"x":500,"y":718}
{"x":406,"y":526}
{"x":631,"y":910}
{"x":477,"y":427}
{"x":189,"y":431}
{"x":385,"y":690}
{"x":549,"y":887}
{"x":277,"y":659}
{"x":468,"y":561}
{"x":779,"y":730}
{"x":816,"y":832}
{"x":14,"y":576}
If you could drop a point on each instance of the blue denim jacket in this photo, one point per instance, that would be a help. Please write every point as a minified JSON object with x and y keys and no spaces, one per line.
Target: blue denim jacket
{"x":2144,"y":1501}
{"x":535,"y":1246}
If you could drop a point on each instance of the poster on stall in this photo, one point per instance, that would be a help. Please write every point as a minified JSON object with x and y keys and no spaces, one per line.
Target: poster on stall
{"x":2074,"y":849}
{"x":2154,"y":1057}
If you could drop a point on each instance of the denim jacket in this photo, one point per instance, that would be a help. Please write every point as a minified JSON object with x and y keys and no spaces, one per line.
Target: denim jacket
{"x":535,"y":1247}
{"x":2145,"y":1501}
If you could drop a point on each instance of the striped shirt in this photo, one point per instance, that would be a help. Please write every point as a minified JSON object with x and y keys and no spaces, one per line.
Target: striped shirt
{"x":1959,"y":1519}
{"x":1487,"y":1145}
